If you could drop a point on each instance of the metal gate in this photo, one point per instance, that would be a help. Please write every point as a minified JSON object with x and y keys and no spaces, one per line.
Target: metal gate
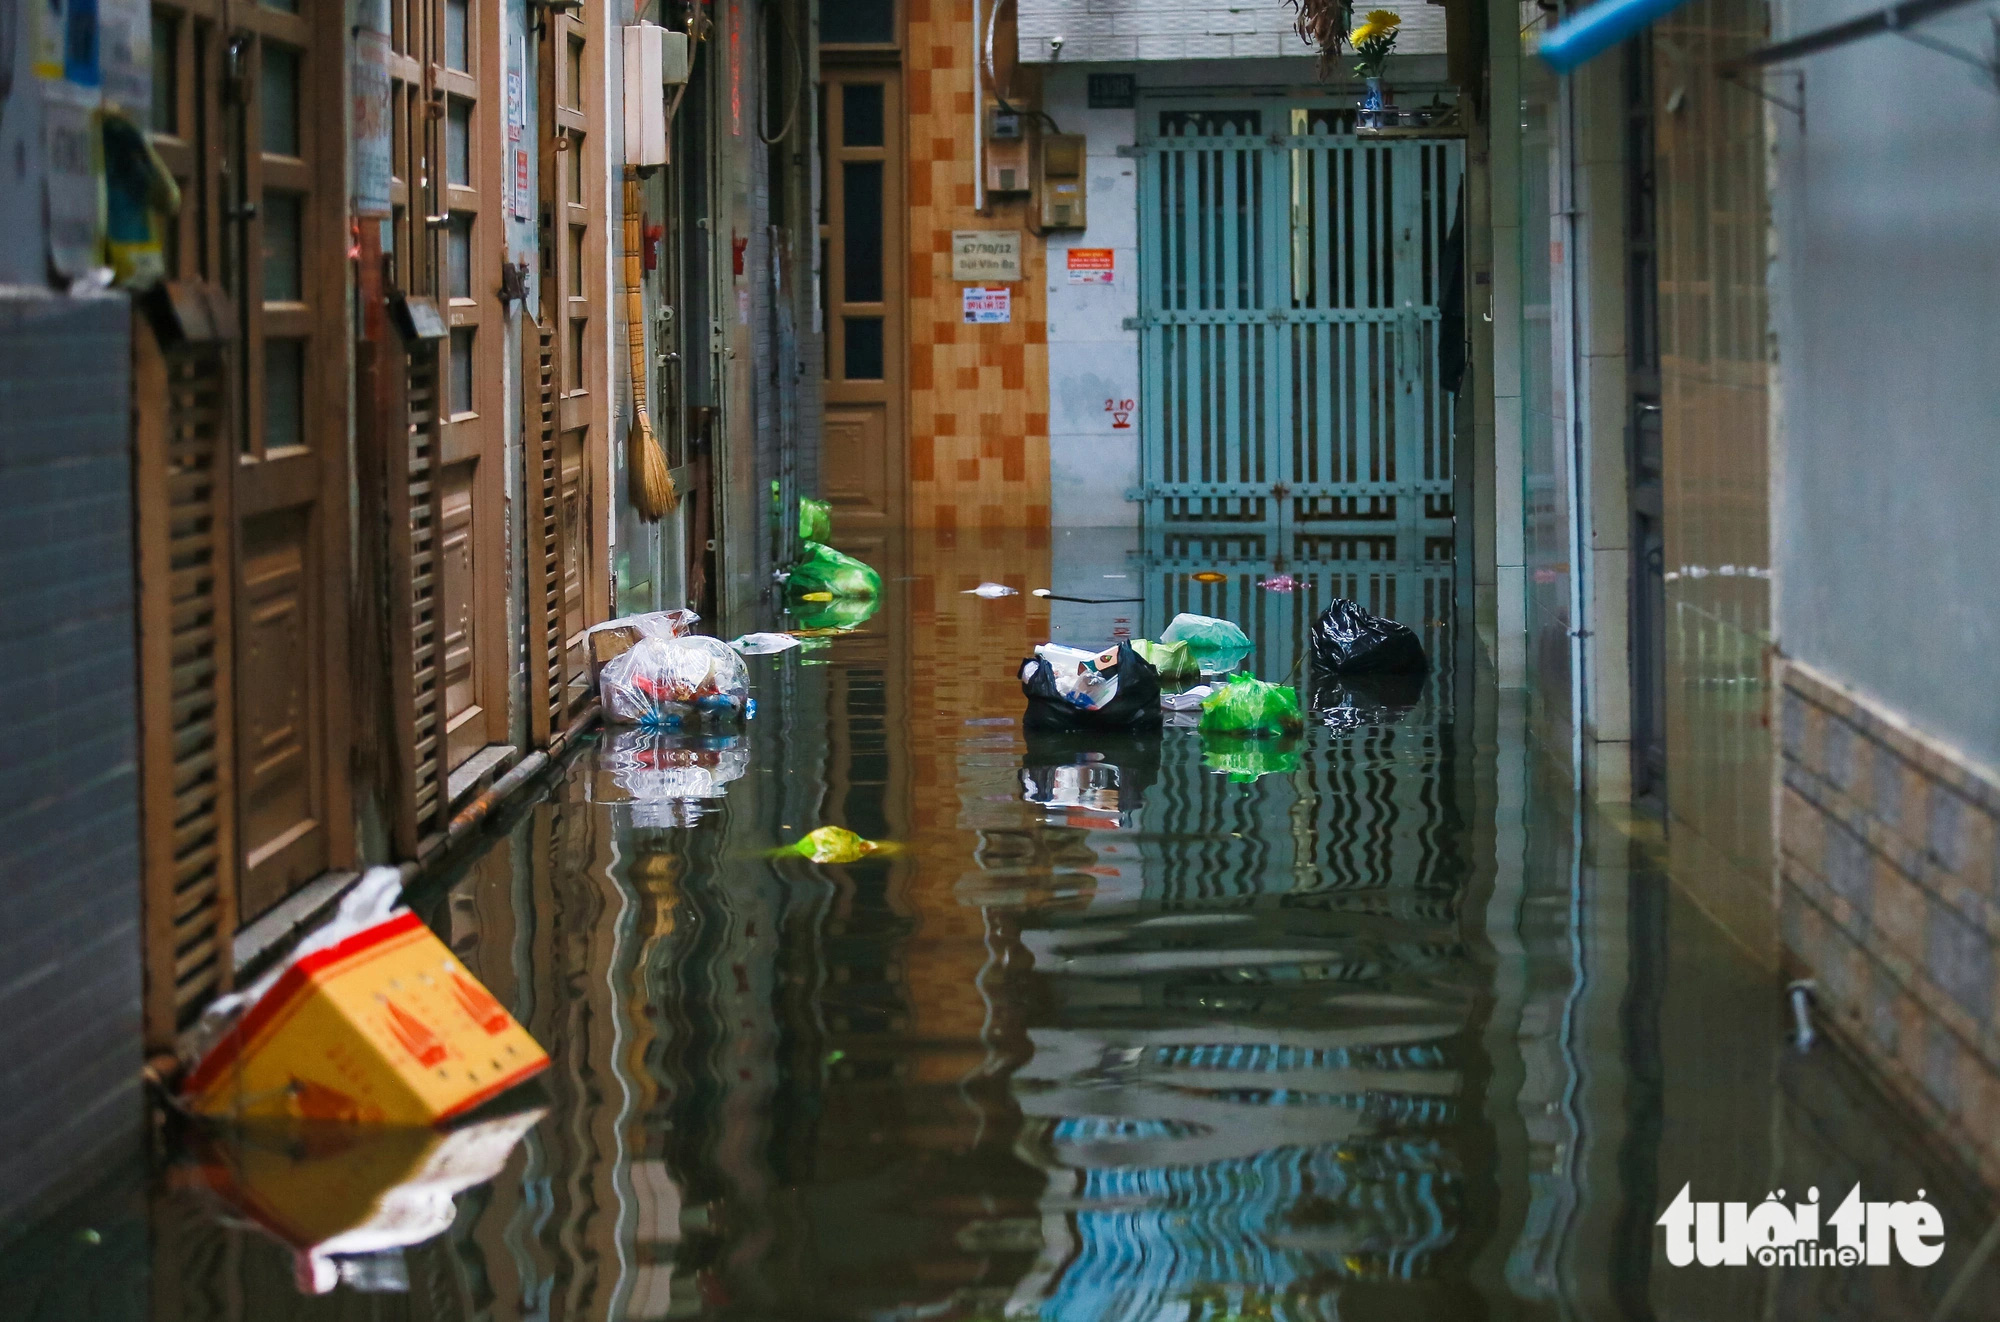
{"x":1290,"y":280}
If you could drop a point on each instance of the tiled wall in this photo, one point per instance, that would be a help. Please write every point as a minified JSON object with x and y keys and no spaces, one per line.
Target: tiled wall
{"x":978,"y":395}
{"x":69,"y":800}
{"x":1889,"y":897}
{"x":1192,"y":29}
{"x":962,"y":690}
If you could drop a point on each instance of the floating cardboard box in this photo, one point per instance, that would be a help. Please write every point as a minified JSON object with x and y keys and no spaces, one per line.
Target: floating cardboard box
{"x":337,"y":1195}
{"x":383,"y":1026}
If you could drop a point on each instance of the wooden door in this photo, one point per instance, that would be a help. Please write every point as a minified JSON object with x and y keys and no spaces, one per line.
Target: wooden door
{"x":447,"y":243}
{"x":471,"y":475}
{"x":862,"y":237}
{"x":575,"y":302}
{"x":247,"y":108}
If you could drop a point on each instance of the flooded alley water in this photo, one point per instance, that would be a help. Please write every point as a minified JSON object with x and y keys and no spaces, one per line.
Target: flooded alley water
{"x":1141,"y":1028}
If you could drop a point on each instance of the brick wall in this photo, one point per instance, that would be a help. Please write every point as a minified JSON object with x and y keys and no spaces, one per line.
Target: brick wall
{"x":69,"y":843}
{"x":978,"y":410}
{"x":1890,"y":898}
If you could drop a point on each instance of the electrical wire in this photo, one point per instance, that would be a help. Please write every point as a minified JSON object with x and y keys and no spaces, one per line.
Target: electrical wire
{"x":768,"y":15}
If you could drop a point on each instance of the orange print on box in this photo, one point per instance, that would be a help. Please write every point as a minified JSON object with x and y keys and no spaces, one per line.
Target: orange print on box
{"x":384,"y":1026}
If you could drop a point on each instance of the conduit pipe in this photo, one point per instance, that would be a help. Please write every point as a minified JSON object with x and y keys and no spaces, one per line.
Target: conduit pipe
{"x":469,"y":818}
{"x":1599,"y":28}
{"x":979,"y":115}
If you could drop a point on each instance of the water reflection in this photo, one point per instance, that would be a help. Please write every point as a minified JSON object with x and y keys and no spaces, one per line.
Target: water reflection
{"x":1379,"y":1029}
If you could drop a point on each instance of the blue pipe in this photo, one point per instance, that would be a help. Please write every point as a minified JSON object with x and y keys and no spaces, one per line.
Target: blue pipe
{"x":1599,"y":28}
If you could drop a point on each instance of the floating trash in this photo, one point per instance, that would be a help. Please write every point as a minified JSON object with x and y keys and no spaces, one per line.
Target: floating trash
{"x":1280,"y":583}
{"x":1248,"y":706}
{"x":991,"y":590}
{"x":823,"y":570}
{"x":834,"y":844}
{"x":372,"y":1021}
{"x":1245,"y":760}
{"x":764,"y":644}
{"x":663,"y":682}
{"x":1348,"y":639}
{"x":1172,"y":660}
{"x":1217,"y":646}
{"x":815,"y":520}
{"x":1186,"y":699}
{"x":1208,"y":576}
{"x":347,"y":1201}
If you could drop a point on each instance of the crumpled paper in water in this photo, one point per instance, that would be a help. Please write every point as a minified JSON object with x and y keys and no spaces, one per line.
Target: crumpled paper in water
{"x":991,"y":590}
{"x":834,"y":844}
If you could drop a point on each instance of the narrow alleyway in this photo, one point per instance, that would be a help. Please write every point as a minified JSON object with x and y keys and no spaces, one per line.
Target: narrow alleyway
{"x":1128,"y":1028}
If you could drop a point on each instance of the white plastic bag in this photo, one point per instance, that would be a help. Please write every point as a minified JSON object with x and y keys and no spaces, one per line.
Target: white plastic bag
{"x":764,"y":644}
{"x":668,"y":681}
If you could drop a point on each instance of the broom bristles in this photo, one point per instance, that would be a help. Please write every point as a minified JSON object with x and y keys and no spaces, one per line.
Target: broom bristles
{"x":652,"y":481}
{"x":653,"y":488}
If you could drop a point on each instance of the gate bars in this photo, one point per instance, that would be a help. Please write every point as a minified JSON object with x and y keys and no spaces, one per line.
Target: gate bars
{"x":1290,"y":284}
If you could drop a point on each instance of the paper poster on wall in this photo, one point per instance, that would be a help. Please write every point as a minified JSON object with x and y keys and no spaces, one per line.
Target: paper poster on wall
{"x":988,"y":307}
{"x":125,"y":52}
{"x":1091,"y":266}
{"x":70,"y":192}
{"x":374,"y":168}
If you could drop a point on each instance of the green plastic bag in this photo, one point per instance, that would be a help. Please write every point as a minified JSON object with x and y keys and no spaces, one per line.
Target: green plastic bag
{"x":815,"y":520}
{"x":841,"y":613}
{"x":1205,"y":633}
{"x":1247,"y":706}
{"x":1244,"y":760}
{"x":834,"y":844}
{"x":1170,"y":659}
{"x":823,"y":569}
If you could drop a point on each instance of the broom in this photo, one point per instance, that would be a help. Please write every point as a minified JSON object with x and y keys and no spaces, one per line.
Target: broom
{"x":652,"y":483}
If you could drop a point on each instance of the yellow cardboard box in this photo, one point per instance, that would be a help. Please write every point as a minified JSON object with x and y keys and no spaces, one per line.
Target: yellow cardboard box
{"x":383,"y":1027}
{"x":325,"y":1191}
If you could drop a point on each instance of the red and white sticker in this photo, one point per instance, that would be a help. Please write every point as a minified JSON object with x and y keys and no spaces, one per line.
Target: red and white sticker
{"x":1092,"y":266}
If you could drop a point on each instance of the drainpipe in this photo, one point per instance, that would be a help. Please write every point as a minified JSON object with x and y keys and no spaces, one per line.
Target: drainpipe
{"x":1577,"y":470}
{"x":979,"y":112}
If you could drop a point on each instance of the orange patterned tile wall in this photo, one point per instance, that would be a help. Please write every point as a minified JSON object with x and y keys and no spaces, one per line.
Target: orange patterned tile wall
{"x":978,"y":395}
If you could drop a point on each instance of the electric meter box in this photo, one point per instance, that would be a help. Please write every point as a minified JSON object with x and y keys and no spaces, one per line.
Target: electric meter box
{"x":656,"y":58}
{"x":1061,"y":182}
{"x":1008,"y":152}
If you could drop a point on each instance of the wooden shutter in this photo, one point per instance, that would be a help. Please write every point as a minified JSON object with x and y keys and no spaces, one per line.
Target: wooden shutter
{"x":548,"y":651}
{"x":187,"y":760}
{"x":415,"y":683}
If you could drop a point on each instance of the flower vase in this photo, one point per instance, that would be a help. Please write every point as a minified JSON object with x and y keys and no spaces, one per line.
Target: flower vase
{"x":1377,"y":110}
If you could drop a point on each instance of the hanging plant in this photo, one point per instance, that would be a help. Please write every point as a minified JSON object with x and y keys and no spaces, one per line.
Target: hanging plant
{"x":1323,"y":25}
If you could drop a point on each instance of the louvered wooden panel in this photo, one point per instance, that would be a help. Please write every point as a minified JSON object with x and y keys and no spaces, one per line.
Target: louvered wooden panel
{"x":547,"y":655}
{"x":415,"y":614}
{"x":188,"y":800}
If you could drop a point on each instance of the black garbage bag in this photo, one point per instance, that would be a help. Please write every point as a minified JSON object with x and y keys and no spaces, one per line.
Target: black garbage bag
{"x":1136,"y":705}
{"x":1109,"y":772}
{"x":1351,"y":702}
{"x":1348,"y":640}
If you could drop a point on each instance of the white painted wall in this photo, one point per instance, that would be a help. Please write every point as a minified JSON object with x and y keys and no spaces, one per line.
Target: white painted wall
{"x":1190,"y":29}
{"x":1884,"y":480}
{"x":1093,"y":360}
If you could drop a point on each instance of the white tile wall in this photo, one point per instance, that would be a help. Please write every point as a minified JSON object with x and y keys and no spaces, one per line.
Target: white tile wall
{"x":1099,"y":30}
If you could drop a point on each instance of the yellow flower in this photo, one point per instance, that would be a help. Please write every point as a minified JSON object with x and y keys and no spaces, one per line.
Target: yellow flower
{"x":1378,"y":23}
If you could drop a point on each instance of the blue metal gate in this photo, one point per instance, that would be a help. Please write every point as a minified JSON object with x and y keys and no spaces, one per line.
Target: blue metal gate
{"x":1290,"y":276}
